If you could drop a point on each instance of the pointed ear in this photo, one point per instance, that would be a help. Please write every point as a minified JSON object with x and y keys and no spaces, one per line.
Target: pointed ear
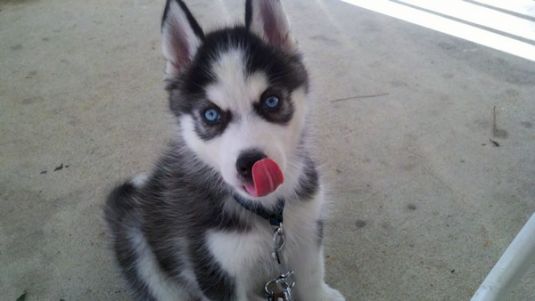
{"x":267,"y":19}
{"x":181,"y":37}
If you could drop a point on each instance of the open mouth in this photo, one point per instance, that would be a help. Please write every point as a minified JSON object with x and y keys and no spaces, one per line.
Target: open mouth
{"x":266,"y":178}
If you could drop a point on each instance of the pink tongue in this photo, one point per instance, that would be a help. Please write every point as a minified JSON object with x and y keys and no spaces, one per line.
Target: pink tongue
{"x":267,"y":176}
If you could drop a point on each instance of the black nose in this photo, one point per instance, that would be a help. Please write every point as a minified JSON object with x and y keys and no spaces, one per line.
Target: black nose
{"x":245,"y":162}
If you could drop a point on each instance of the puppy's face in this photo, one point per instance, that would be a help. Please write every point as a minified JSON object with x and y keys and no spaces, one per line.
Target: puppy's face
{"x":239,"y":93}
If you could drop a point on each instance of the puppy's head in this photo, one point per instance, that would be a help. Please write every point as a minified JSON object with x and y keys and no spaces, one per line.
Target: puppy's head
{"x":238,"y":93}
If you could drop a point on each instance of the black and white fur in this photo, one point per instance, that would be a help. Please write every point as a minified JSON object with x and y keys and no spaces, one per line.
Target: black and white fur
{"x":178,"y":234}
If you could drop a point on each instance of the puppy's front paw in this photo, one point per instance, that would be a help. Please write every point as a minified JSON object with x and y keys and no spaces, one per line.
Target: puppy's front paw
{"x":331,"y":294}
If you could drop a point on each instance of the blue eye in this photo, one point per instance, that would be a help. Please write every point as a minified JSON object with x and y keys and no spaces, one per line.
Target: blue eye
{"x":212,"y":116}
{"x":272,"y":102}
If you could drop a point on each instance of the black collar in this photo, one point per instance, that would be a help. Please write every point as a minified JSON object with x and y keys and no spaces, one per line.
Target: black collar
{"x":274,"y":217}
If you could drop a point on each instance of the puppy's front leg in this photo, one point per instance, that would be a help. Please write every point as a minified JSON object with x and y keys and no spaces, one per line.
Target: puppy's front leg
{"x":309,"y":274}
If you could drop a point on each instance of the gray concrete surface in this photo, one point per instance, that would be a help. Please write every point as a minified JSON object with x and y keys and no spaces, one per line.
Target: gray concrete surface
{"x":423,"y":202}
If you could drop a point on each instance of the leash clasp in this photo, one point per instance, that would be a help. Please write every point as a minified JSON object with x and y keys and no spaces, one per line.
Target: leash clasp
{"x":280,"y":289}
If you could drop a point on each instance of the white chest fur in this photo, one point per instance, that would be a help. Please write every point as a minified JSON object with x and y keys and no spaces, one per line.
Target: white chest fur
{"x":247,"y":255}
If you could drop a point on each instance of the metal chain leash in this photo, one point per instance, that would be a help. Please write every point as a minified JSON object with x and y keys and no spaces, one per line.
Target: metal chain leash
{"x":280,"y":288}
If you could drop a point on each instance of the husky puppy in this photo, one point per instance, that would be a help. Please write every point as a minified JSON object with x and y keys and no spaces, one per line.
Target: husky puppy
{"x":191,"y":229}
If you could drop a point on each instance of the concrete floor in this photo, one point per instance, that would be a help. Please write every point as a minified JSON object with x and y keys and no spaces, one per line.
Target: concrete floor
{"x":424,"y":204}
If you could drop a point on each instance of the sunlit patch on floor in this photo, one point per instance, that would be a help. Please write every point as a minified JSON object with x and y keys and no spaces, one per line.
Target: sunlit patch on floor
{"x":507,"y":26}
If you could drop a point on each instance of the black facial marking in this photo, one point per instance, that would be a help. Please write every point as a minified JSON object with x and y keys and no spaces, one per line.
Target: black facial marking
{"x":282,"y":114}
{"x":285,"y":71}
{"x":206,"y":130}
